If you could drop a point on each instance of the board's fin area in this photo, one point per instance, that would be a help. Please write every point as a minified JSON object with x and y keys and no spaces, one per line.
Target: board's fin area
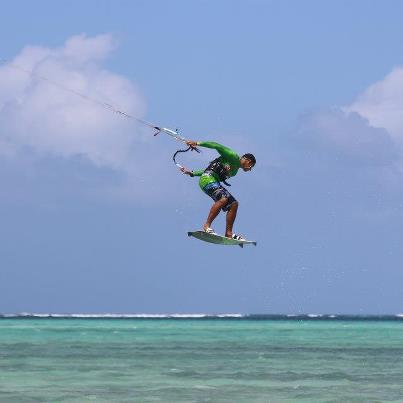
{"x":219,"y":239}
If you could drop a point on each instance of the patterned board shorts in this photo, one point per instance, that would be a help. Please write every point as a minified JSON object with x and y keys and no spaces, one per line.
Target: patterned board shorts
{"x":217,"y":192}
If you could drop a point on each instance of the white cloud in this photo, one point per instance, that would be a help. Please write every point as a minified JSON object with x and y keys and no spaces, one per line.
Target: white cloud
{"x":53,"y":133}
{"x":348,"y":137}
{"x":37,"y":115}
{"x":369,"y":131}
{"x":356,"y":150}
{"x":382,"y":104}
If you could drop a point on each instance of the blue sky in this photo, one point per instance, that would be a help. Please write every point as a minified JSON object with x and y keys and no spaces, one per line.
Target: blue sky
{"x":94,"y":214}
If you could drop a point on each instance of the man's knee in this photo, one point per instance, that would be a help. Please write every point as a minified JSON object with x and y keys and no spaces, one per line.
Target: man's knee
{"x":233,"y":207}
{"x":223,"y":201}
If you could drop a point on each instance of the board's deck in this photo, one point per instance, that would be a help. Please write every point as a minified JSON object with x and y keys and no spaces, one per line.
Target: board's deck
{"x":219,"y":239}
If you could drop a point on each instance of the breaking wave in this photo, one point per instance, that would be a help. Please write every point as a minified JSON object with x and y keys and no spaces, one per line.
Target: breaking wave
{"x":201,"y":316}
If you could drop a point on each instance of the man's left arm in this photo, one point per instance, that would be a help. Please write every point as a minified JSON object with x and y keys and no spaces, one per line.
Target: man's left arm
{"x":198,"y":172}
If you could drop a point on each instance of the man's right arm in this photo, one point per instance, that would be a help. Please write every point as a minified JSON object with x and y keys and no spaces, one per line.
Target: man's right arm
{"x":222,"y":150}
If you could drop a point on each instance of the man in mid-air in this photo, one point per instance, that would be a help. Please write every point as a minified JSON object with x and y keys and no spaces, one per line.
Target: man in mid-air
{"x":218,"y":171}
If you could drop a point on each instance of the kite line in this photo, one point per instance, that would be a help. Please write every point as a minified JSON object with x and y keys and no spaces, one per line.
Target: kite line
{"x":159,"y":129}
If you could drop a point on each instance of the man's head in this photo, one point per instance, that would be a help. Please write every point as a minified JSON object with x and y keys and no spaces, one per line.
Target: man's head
{"x":248,"y":161}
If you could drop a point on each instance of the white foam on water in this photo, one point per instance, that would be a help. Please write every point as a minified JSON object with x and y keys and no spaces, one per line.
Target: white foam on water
{"x":119,"y":315}
{"x":230,"y":315}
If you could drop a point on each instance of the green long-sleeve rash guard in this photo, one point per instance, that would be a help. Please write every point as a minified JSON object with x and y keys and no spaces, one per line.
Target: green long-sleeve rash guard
{"x":227,"y":156}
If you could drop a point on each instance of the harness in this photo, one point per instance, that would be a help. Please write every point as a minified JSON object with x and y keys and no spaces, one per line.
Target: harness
{"x":216,"y":166}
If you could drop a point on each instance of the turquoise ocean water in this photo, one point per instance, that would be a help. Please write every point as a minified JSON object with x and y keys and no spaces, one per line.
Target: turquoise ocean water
{"x":201,"y":360}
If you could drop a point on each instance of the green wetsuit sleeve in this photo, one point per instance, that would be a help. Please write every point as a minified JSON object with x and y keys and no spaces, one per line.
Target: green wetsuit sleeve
{"x":222,"y":150}
{"x":198,"y":172}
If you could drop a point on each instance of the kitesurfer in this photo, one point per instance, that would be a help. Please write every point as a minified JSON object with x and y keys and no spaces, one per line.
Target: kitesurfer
{"x":219,"y":170}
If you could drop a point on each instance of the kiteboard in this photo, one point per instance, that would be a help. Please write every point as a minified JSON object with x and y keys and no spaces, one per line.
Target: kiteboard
{"x":219,"y":239}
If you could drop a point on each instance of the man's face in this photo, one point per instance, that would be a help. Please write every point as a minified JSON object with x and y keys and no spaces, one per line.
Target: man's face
{"x":246,"y":164}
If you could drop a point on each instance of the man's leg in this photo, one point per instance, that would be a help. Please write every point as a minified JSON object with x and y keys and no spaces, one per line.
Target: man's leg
{"x":215,"y":209}
{"x":231,"y":215}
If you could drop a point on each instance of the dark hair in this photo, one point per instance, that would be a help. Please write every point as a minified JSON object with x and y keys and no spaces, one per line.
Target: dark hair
{"x":250,"y":157}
